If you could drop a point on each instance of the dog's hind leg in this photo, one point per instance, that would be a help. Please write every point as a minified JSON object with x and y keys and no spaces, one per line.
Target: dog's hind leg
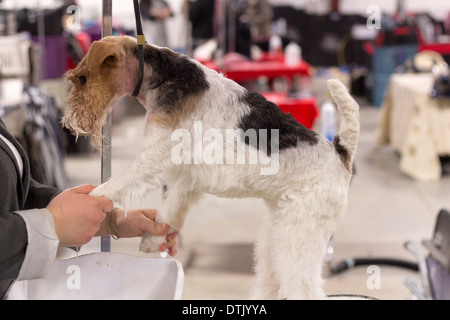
{"x":265,"y":286}
{"x":300,"y":233}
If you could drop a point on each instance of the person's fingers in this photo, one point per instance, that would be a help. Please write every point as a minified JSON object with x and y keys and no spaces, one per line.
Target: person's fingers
{"x":106,"y":204}
{"x":84,"y":189}
{"x":150,"y":226}
{"x":171,"y":241}
{"x":173,"y":251}
{"x":149,"y":213}
{"x":172,"y":235}
{"x":158,"y":229}
{"x":171,"y":245}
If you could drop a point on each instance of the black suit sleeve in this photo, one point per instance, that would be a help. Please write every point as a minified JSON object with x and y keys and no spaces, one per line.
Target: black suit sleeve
{"x":13,"y":244}
{"x":39,"y":195}
{"x":13,"y":232}
{"x":16,"y":195}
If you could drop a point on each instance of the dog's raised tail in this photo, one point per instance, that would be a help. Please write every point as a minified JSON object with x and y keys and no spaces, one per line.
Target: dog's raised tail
{"x":346,"y":141}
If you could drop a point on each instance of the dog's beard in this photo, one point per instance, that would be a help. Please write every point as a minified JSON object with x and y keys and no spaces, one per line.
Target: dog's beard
{"x":79,"y":128}
{"x":83,"y":120}
{"x":85,"y":124}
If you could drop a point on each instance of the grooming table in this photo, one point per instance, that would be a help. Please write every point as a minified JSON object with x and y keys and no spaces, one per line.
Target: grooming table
{"x":106,"y":276}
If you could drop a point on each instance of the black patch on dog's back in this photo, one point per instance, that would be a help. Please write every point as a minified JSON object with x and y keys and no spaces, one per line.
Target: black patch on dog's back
{"x":267,"y":115}
{"x":174,"y":74}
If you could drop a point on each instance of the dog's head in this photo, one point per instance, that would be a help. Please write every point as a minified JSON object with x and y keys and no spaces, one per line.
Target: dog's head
{"x":110,"y":70}
{"x":97,"y":82}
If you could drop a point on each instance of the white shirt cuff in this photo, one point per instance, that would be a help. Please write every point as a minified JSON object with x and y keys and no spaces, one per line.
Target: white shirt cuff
{"x":42,"y":244}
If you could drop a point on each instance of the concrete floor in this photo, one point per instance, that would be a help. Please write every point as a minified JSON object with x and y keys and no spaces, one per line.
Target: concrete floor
{"x":385,"y":209}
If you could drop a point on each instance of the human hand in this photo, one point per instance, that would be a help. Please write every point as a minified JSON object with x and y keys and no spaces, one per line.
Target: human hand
{"x":78,"y":215}
{"x":171,"y":243}
{"x":135,"y":224}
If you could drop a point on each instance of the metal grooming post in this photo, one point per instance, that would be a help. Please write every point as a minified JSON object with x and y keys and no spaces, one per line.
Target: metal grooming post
{"x":106,"y":130}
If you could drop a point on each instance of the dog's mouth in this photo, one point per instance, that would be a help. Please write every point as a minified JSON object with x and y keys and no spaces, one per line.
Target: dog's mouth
{"x":74,"y":126}
{"x":84,"y":127}
{"x":77,"y":132}
{"x":75,"y":129}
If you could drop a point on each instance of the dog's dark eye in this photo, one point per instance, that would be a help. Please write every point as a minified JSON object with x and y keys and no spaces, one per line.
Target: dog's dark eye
{"x":82,"y":79}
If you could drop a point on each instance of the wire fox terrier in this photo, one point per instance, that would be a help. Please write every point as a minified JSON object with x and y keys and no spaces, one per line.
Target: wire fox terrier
{"x":302,"y":177}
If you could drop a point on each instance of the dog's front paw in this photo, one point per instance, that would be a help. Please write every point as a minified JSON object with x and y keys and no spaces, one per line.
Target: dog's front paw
{"x":111,"y":192}
{"x":151,"y":243}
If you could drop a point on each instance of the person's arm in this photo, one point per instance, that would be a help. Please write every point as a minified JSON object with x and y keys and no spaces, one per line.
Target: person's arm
{"x":25,"y":226}
{"x":13,"y":228}
{"x":39,"y":195}
{"x":31,"y":237}
{"x":22,"y":234}
{"x":13,"y":243}
{"x":41,"y":238}
{"x":31,"y":228}
{"x":41,"y":246}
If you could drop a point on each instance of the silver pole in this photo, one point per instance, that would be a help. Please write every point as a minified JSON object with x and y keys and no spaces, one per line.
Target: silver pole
{"x":106,"y":129}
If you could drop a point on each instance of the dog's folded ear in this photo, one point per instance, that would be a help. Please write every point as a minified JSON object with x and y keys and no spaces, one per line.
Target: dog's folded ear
{"x":104,"y":54}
